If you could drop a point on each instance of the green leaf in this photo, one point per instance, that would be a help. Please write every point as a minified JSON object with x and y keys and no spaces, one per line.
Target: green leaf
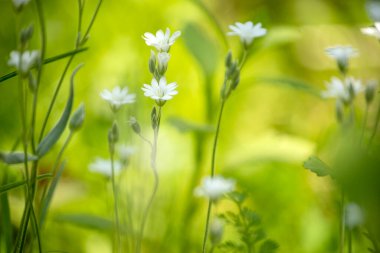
{"x":291,"y":83}
{"x":87,"y":221}
{"x":201,"y":47}
{"x":14,"y":185}
{"x":16,"y":157}
{"x":186,"y":126}
{"x":268,"y":246}
{"x":46,"y":61}
{"x":49,"y":196}
{"x":317,"y":166}
{"x":52,"y":137}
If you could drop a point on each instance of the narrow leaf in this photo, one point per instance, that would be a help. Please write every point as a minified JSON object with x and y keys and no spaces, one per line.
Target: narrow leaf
{"x":201,"y":47}
{"x":49,"y":196}
{"x":291,"y":83}
{"x":87,"y":221}
{"x":47,"y":61}
{"x":52,"y":137}
{"x":14,"y":185}
{"x":317,"y":166}
{"x":16,"y":157}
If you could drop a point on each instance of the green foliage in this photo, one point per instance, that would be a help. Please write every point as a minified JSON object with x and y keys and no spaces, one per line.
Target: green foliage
{"x":317,"y":166}
{"x":16,"y":157}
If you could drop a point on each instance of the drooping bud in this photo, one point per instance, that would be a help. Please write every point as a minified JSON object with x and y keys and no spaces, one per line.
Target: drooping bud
{"x":152,"y":62}
{"x":135,"y":125}
{"x":370,"y":90}
{"x":77,"y":119}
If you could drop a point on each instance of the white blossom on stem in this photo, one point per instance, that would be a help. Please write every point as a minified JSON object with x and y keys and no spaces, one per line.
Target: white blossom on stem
{"x":161,"y":41}
{"x":373,"y":31}
{"x":247,"y":32}
{"x":160,"y":91}
{"x":215,"y":187}
{"x":118,"y":97}
{"x":25,"y":61}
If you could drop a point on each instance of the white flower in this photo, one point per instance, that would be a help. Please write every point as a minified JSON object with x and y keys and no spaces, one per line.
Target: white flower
{"x":354,"y":215}
{"x":18,"y":4}
{"x":162,"y":41}
{"x":372,"y":30}
{"x":125,"y":153}
{"x":118,"y":97}
{"x":103,"y":166}
{"x":247,"y":31}
{"x":214,"y":187}
{"x":28,"y":60}
{"x":341,"y":52}
{"x":343,"y":90}
{"x":160,"y":91}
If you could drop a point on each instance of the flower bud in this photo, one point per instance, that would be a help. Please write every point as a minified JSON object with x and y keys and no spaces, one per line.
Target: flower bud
{"x":339,"y":108}
{"x":135,"y":125}
{"x":228,"y":59}
{"x":370,"y":90}
{"x":216,"y":231}
{"x":152,"y":62}
{"x":163,"y":59}
{"x":19,"y":4}
{"x":113,"y":133}
{"x":153,"y":117}
{"x":342,"y":65}
{"x":235,"y":80}
{"x":26,"y":34}
{"x":32,"y":83}
{"x":77,"y":119}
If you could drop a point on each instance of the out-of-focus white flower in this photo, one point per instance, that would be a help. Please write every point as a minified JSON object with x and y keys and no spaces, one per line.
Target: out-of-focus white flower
{"x":354,"y":215}
{"x":25,"y":62}
{"x":372,"y":30}
{"x":118,"y":97}
{"x":125,"y":153}
{"x":341,"y":54}
{"x":344,"y":90}
{"x":103,"y":166}
{"x":163,"y":59}
{"x":214,"y":187}
{"x":18,"y":4}
{"x":247,"y":31}
{"x":216,"y":230}
{"x":162,"y":41}
{"x":160,"y":91}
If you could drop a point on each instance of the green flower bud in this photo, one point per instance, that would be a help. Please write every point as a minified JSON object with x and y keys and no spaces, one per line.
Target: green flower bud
{"x":153,"y":118}
{"x":370,"y":90}
{"x":216,"y":231}
{"x":26,"y":34}
{"x":135,"y":125}
{"x":228,"y":59}
{"x":152,"y":62}
{"x":113,"y":133}
{"x":77,"y":119}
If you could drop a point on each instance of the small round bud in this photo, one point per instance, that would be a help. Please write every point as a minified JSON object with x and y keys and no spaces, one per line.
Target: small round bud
{"x":26,"y":34}
{"x":216,"y":231}
{"x":370,"y":90}
{"x":77,"y":119}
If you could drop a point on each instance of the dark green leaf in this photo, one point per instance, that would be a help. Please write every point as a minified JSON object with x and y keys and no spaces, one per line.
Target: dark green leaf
{"x":87,"y":221}
{"x":16,"y":157}
{"x":14,"y":185}
{"x":317,"y":166}
{"x":52,"y":137}
{"x":268,"y":246}
{"x":46,"y":61}
{"x":295,"y":84}
{"x":201,"y":47}
{"x":186,"y":126}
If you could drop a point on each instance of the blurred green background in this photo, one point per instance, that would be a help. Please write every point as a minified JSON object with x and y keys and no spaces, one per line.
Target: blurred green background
{"x":269,"y":128}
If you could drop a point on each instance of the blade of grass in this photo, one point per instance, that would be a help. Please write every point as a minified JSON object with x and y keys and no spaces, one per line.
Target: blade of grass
{"x":14,"y":185}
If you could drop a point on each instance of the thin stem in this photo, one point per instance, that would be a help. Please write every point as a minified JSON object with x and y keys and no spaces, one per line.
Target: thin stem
{"x":92,"y":21}
{"x":364,"y":122}
{"x":375,"y":127}
{"x":350,"y":241}
{"x":156,"y":182}
{"x":116,"y":211}
{"x":212,"y":172}
{"x":342,"y":224}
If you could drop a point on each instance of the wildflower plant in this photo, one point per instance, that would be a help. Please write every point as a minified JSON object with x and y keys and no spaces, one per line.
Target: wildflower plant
{"x":28,"y":64}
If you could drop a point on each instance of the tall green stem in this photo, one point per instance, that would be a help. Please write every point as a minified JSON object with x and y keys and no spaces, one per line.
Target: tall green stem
{"x":116,"y":211}
{"x":212,"y":173}
{"x":342,"y":224}
{"x":153,"y":165}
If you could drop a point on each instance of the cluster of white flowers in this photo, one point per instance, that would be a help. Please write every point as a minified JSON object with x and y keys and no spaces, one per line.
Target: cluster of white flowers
{"x":118,"y":97}
{"x":103,"y":166}
{"x":342,"y":89}
{"x":159,"y":90}
{"x":25,"y":61}
{"x":247,"y":32}
{"x":215,"y":187}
